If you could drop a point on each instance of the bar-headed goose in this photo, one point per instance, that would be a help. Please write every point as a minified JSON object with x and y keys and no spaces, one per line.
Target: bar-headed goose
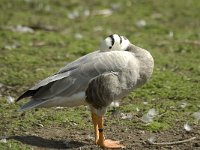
{"x":96,"y":79}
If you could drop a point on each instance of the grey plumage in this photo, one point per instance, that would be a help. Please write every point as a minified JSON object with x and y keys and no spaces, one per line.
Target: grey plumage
{"x":95,"y":79}
{"x":108,"y":87}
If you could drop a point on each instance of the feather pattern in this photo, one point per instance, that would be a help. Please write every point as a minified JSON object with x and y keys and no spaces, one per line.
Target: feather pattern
{"x":79,"y":78}
{"x":79,"y":75}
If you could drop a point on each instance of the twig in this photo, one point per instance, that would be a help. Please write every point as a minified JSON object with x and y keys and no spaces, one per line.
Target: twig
{"x":173,"y":143}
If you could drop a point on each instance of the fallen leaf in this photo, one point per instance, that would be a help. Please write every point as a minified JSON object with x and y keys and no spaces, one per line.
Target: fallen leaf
{"x":148,"y":117}
{"x":126,"y":116}
{"x":98,"y":28}
{"x":137,"y":109}
{"x":151,"y":139}
{"x":104,"y":12}
{"x":10,"y":99}
{"x":170,"y":34}
{"x":141,"y":23}
{"x":183,"y":104}
{"x":3,"y":141}
{"x":78,"y":36}
{"x":90,"y":137}
{"x":86,"y":12}
{"x":152,"y":112}
{"x":187,"y":127}
{"x":196,"y":115}
{"x":73,"y":15}
{"x":145,"y":103}
{"x":23,"y":29}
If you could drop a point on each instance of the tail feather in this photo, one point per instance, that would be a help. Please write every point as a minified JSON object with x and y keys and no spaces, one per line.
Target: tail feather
{"x":32,"y":104}
{"x":27,"y":94}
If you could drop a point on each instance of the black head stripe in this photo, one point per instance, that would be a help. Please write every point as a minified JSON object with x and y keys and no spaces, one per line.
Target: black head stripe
{"x":112,"y":39}
{"x":120,"y":39}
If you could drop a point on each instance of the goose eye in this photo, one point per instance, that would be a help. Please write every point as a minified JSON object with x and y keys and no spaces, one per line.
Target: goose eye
{"x":110,"y":47}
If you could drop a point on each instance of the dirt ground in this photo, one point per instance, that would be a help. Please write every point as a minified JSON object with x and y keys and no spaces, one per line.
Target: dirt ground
{"x":133,"y":138}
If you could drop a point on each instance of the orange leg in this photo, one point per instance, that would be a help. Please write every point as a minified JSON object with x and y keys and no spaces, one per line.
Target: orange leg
{"x":101,"y":141}
{"x":96,"y":129}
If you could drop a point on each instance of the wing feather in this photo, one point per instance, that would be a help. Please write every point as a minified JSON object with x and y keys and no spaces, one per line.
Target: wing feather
{"x":78,"y":62}
{"x":71,"y":81}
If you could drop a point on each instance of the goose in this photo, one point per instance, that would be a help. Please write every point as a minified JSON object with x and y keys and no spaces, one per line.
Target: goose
{"x":96,"y":80}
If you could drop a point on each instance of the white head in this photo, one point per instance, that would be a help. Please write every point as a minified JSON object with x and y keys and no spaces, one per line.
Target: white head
{"x":114,"y":42}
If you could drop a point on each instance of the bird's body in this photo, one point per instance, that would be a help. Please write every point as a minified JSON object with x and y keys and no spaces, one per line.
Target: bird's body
{"x":96,"y":79}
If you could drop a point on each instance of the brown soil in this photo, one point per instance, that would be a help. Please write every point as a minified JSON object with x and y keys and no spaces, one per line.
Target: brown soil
{"x":71,"y":138}
{"x":133,"y":138}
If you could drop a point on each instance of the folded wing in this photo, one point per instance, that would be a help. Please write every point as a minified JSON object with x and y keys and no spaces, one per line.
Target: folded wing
{"x":75,"y":77}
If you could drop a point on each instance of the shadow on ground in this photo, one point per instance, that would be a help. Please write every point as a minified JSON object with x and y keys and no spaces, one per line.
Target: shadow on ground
{"x":47,"y":143}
